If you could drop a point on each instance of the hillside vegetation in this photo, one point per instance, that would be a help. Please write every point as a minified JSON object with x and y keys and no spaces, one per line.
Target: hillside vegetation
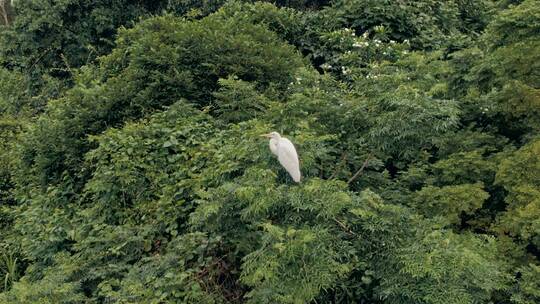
{"x":132,"y":170}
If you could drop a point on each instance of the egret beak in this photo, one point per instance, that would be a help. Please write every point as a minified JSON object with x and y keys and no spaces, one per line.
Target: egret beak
{"x":266,"y":135}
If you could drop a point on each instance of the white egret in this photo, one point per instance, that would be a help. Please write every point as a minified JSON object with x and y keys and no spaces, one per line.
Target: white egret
{"x":286,"y":153}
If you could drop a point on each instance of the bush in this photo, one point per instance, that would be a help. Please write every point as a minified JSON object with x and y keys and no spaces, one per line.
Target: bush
{"x":157,"y":63}
{"x":148,"y":180}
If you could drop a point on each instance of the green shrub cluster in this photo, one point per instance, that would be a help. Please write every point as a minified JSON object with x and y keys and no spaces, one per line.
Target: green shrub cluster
{"x":132,"y":170}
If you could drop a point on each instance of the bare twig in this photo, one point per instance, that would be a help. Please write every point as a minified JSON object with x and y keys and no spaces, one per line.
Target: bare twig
{"x":360,"y":171}
{"x":66,"y":63}
{"x":4,"y":14}
{"x":344,"y":227}
{"x":5,"y":11}
{"x":40,"y":57}
{"x":341,"y":164}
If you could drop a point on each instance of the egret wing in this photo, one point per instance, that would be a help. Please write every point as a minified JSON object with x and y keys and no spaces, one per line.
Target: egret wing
{"x":288,"y":158}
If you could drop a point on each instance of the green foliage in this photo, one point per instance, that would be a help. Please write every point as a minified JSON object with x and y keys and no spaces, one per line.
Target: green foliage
{"x":133,"y":171}
{"x":12,"y":98}
{"x":433,"y":21}
{"x":463,"y":167}
{"x":142,"y":75}
{"x":238,"y":101}
{"x":528,"y":288}
{"x":9,"y":268}
{"x":437,"y":270}
{"x":183,"y":273}
{"x":269,"y":270}
{"x":193,"y":8}
{"x":519,"y":174}
{"x":422,"y":262}
{"x":506,"y":86}
{"x":450,"y":201}
{"x":53,"y":36}
{"x":54,"y":287}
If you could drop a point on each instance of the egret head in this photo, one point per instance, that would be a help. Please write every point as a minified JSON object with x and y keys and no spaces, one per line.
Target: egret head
{"x":273,"y":135}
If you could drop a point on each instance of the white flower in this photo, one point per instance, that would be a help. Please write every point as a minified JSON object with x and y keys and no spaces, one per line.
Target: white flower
{"x":326,"y":66}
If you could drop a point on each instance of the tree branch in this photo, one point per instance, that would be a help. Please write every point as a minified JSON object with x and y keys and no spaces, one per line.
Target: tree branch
{"x":40,"y":57}
{"x":4,"y":12}
{"x":66,"y":63}
{"x":360,"y":171}
{"x":344,"y":227}
{"x":341,"y":164}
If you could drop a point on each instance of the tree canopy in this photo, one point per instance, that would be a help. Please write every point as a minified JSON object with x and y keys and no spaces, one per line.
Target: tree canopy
{"x":132,"y":170}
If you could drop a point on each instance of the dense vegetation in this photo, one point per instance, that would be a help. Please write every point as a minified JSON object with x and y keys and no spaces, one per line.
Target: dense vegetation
{"x":132,"y":171}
